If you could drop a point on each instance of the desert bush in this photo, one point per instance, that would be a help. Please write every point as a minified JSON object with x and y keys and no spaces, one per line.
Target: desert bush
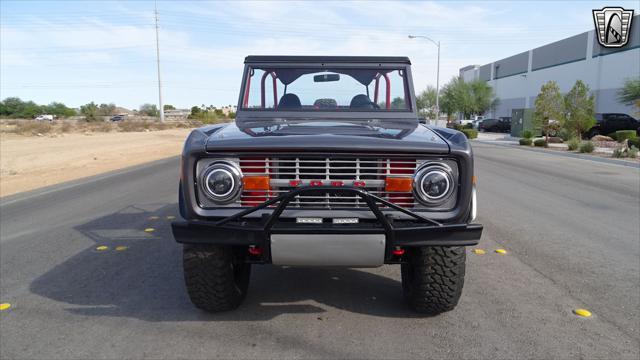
{"x":540,"y":143}
{"x":527,"y":134}
{"x":586,"y":147}
{"x":132,"y":126}
{"x":564,"y":134}
{"x":631,"y":152}
{"x":573,"y":144}
{"x":622,"y":135}
{"x":525,"y":141}
{"x":470,"y":133}
{"x":66,"y":127}
{"x":30,"y":128}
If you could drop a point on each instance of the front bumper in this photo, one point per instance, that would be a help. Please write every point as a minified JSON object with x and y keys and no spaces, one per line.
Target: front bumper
{"x":238,"y":230}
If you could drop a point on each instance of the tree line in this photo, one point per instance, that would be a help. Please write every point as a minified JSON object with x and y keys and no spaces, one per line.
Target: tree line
{"x":16,"y":108}
{"x":457,"y":96}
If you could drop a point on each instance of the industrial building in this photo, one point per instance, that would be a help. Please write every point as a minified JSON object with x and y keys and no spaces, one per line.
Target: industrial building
{"x":517,"y":79}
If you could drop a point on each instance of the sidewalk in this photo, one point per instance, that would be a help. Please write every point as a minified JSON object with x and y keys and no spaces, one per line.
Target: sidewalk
{"x":600,"y":154}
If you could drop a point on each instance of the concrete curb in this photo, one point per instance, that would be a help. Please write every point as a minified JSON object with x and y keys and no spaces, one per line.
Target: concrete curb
{"x":565,"y":154}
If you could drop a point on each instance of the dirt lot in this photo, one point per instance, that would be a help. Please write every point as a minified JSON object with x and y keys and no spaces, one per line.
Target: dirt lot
{"x":30,"y":162}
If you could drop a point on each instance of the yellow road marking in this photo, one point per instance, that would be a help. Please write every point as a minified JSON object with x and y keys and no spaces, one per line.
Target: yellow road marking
{"x":121,"y":248}
{"x":582,"y":312}
{"x":4,"y":306}
{"x":478,"y":251}
{"x":149,"y":230}
{"x":501,"y":251}
{"x":170,"y":217}
{"x":154,"y":217}
{"x":102,"y":248}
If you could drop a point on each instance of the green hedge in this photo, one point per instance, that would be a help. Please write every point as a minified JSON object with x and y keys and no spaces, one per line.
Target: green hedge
{"x":525,"y":141}
{"x":573,"y":144}
{"x":622,"y":135}
{"x":470,"y":133}
{"x":635,"y":142}
{"x":540,"y":143}
{"x":587,"y":147}
{"x":527,"y":134}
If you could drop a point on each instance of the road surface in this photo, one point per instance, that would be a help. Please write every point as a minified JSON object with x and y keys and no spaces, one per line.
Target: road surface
{"x":570,"y":227}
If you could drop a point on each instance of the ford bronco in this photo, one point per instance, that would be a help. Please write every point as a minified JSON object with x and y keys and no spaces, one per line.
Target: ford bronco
{"x":326,"y":164}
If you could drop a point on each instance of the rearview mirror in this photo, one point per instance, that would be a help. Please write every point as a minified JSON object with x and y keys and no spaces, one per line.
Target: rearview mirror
{"x":326,"y":77}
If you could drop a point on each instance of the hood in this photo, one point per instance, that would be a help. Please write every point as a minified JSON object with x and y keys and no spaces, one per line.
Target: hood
{"x":282,"y":135}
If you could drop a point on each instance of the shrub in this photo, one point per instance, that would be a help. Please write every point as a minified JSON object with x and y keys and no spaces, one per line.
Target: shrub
{"x":470,"y":133}
{"x":458,"y":127}
{"x":527,"y":134}
{"x":613,"y":136}
{"x":468,"y":126}
{"x":634,"y":142}
{"x":29,"y":128}
{"x":564,"y":134}
{"x":618,"y":153}
{"x":587,"y":147}
{"x":525,"y":141}
{"x":573,"y":144}
{"x":631,"y":152}
{"x":622,"y":135}
{"x":132,"y":126}
{"x":66,"y":127}
{"x":540,"y":143}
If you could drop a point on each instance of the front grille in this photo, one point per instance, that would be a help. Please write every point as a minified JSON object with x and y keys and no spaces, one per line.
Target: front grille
{"x":285,"y":173}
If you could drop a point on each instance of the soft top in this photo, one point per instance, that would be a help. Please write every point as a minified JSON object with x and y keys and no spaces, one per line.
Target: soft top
{"x":326,"y":59}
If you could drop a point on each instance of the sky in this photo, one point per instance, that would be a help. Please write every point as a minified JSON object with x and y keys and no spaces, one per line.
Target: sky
{"x":76,"y":52}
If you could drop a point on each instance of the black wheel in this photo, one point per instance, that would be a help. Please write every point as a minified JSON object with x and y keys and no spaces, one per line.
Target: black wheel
{"x":216,"y":279}
{"x":433,"y":278}
{"x":593,"y":133}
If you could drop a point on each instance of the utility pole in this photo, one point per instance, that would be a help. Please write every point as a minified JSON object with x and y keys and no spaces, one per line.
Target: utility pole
{"x":437,"y":44}
{"x":161,"y":109}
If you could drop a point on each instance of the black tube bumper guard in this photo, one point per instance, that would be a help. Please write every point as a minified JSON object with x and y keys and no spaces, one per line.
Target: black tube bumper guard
{"x":236,"y":230}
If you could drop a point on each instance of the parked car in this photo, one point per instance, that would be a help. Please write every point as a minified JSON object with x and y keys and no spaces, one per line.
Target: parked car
{"x":607,"y":123}
{"x":44,"y":117}
{"x":357,"y":184}
{"x":495,"y":125}
{"x":476,"y":123}
{"x":118,"y":118}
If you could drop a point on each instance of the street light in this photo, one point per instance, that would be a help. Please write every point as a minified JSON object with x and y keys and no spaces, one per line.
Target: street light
{"x":438,"y":71}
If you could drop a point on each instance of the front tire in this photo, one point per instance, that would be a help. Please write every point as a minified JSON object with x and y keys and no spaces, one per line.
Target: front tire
{"x":216,"y":279}
{"x":433,"y":278}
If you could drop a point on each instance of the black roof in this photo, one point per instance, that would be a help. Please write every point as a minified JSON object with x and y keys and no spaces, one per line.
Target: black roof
{"x":322,"y":59}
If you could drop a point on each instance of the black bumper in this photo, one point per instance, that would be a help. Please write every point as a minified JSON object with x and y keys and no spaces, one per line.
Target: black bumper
{"x":238,"y":230}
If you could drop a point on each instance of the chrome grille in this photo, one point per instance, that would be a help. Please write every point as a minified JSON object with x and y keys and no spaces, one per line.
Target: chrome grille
{"x":285,"y":173}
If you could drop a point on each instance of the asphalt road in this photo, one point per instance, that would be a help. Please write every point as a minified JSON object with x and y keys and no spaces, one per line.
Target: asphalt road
{"x":570,"y":227}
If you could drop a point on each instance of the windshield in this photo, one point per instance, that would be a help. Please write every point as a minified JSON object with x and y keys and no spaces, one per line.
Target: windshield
{"x":323,"y":89}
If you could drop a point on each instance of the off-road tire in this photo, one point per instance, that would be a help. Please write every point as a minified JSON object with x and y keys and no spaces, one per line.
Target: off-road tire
{"x":433,"y":278}
{"x":215,"y":279}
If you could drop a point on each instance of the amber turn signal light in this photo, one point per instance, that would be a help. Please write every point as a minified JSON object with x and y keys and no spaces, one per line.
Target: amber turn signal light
{"x":255,"y":182}
{"x":398,"y":184}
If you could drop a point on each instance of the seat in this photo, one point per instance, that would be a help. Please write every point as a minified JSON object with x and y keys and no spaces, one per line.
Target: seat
{"x":361,"y":101}
{"x":289,"y":101}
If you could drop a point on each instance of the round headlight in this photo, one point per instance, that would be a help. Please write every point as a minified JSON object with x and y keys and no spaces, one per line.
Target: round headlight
{"x":434,"y":183}
{"x":222,"y":182}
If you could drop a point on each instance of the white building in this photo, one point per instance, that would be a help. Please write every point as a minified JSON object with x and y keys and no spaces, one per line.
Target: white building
{"x":517,"y":79}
